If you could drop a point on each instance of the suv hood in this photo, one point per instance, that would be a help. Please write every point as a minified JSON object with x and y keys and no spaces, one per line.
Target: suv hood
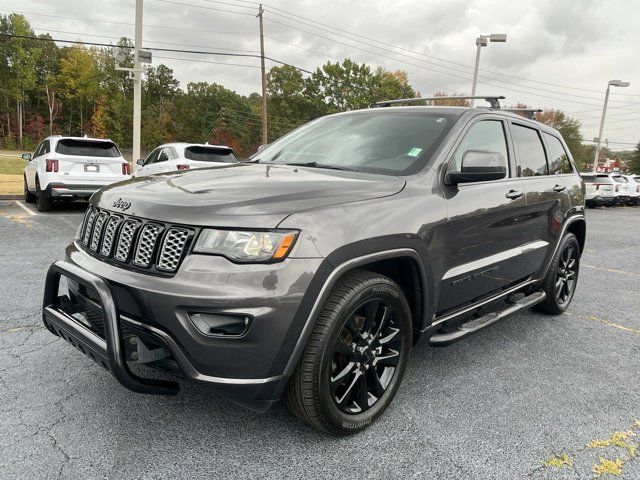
{"x":245,"y":195}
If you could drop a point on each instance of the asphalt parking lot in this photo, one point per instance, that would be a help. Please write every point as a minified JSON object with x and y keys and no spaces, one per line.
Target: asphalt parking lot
{"x":529,"y":397}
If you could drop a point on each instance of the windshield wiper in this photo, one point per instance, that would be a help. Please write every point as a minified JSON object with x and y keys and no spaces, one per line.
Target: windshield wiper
{"x":323,"y":165}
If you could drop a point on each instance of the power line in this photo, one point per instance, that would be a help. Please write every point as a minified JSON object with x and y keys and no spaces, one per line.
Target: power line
{"x":206,"y":8}
{"x":156,"y":49}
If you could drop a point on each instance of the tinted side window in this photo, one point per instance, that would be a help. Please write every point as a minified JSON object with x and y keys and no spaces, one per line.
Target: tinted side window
{"x":153,"y":156}
{"x":530,"y":157}
{"x":558,"y":158}
{"x":46,"y":148}
{"x":484,"y":135}
{"x":164,"y":155}
{"x":38,"y":151}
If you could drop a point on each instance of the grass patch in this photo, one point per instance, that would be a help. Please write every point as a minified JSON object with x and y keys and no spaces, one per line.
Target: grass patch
{"x":10,"y":184}
{"x":11,"y":163}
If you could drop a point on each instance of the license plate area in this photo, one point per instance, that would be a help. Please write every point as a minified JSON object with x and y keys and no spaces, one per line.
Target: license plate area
{"x":91,"y":168}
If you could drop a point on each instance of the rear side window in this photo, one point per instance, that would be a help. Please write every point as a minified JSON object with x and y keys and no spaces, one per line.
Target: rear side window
{"x":530,"y":156}
{"x":620,"y":179}
{"x":558,"y":158}
{"x":210,"y":154}
{"x":484,"y":135}
{"x":589,"y":178}
{"x":87,"y":148}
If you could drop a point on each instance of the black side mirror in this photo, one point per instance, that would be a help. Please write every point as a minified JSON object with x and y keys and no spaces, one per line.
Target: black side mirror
{"x":26,"y":156}
{"x":140,"y":161}
{"x":479,"y":166}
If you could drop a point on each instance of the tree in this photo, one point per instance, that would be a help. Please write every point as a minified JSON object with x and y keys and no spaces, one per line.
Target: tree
{"x":78,"y":79}
{"x":346,"y":86}
{"x":20,"y":55}
{"x":452,"y":102}
{"x":47,"y":69}
{"x":633,"y":163}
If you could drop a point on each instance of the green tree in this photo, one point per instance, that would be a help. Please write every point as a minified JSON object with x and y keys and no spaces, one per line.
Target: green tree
{"x":78,"y":80}
{"x":570,"y":129}
{"x":633,"y":164}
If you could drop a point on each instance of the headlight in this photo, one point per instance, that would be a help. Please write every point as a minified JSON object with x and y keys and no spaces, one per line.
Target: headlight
{"x":246,"y":246}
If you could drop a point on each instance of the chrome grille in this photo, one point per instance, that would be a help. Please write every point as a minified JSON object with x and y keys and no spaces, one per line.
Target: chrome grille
{"x":126,"y":239}
{"x":91,"y":216}
{"x":110,"y":235}
{"x":97,"y":230}
{"x":135,"y":243}
{"x":146,"y":244}
{"x":172,"y":248}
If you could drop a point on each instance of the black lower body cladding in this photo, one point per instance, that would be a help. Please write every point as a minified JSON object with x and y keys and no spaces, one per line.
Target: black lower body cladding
{"x":249,"y":368}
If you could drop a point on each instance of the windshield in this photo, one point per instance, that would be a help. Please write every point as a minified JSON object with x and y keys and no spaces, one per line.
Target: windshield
{"x":388,"y":142}
{"x":87,"y":148}
{"x":210,"y":154}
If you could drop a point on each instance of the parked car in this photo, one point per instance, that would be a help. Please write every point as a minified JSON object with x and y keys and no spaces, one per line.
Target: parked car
{"x":621,"y":190}
{"x":184,"y":156}
{"x":634,"y":188}
{"x":599,"y":189}
{"x":310,"y":271}
{"x":70,"y":168}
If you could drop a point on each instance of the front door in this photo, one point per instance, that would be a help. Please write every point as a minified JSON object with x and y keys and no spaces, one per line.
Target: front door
{"x":484,"y":237}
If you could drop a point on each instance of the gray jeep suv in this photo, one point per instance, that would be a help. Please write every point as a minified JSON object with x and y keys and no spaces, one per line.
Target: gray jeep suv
{"x":310,"y":271}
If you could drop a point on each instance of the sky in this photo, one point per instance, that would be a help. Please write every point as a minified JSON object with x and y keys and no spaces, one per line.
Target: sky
{"x":559,"y":54}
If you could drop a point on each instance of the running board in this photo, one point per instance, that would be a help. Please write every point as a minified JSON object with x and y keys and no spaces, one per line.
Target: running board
{"x":441,"y":339}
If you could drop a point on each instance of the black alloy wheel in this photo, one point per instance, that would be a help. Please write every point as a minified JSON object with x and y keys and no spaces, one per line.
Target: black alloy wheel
{"x":562,"y":277}
{"x":365,"y":356}
{"x":355,"y":357}
{"x":566,"y":274}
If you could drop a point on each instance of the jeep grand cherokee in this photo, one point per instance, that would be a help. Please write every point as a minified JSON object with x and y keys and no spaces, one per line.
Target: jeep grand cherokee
{"x":309,"y":272}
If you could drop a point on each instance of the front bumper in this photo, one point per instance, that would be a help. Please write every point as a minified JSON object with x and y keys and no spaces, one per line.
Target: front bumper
{"x":250,"y":370}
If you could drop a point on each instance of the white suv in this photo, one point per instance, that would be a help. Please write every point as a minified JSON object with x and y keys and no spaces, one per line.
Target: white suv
{"x":184,"y":156}
{"x":634,"y":188}
{"x":69,"y":168}
{"x":621,"y":189}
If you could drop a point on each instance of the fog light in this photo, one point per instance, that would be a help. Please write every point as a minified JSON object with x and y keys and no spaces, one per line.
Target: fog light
{"x":218,"y":324}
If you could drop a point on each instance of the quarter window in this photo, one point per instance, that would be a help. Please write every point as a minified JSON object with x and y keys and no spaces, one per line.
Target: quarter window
{"x":153,"y":156}
{"x":484,"y":135}
{"x":530,"y":157}
{"x":558,"y":158}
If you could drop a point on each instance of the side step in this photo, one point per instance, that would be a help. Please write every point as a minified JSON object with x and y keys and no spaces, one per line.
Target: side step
{"x":441,"y":339}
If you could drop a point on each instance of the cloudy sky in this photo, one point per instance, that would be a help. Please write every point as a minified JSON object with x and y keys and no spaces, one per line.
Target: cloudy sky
{"x":559,"y":53}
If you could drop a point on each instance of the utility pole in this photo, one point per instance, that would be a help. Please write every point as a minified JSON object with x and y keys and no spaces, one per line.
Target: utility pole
{"x":265,"y":137}
{"x":137,"y":83}
{"x":612,"y":83}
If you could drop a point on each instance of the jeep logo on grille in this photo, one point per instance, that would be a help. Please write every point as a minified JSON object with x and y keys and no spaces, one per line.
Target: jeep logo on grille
{"x":121,"y":204}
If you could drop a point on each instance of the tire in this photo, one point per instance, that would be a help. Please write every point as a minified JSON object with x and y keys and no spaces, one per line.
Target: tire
{"x":562,"y":277}
{"x":28,"y":196}
{"x":43,"y":204}
{"x":355,"y":333}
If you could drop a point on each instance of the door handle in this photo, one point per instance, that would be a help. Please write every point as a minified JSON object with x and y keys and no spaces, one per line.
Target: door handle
{"x":559,"y":187}
{"x":513,"y":194}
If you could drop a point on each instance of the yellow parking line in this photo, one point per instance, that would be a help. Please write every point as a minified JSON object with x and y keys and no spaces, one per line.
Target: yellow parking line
{"x":605,"y":322}
{"x":612,"y":270}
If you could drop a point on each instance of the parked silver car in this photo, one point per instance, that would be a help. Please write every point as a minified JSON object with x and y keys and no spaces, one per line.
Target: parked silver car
{"x":184,"y":156}
{"x":599,"y":189}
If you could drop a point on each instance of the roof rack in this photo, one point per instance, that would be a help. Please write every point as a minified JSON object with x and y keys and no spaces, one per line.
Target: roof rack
{"x":493,"y":100}
{"x":528,"y":112}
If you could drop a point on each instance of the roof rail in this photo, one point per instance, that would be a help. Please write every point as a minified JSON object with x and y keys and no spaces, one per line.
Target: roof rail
{"x":492,"y":99}
{"x":527,"y":112}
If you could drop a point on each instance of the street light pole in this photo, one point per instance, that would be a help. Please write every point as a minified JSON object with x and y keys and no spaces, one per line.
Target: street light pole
{"x":137,"y":83}
{"x":483,"y":41}
{"x":612,"y":83}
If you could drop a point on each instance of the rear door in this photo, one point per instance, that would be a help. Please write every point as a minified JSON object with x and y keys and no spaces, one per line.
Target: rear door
{"x":81,"y":160}
{"x":546,"y":193}
{"x":484,"y":234}
{"x":39,"y":155}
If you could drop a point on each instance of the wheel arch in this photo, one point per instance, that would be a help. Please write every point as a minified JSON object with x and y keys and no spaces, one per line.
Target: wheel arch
{"x":392,"y":263}
{"x":579,"y":228}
